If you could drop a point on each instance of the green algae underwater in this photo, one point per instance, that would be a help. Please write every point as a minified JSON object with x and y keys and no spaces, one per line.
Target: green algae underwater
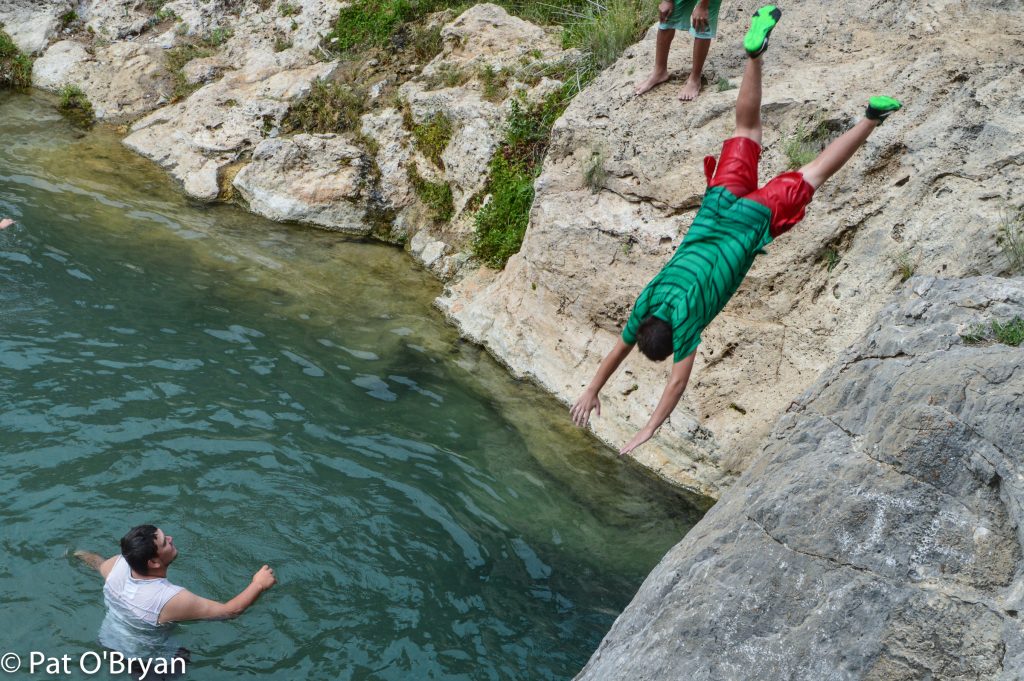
{"x":273,"y":394}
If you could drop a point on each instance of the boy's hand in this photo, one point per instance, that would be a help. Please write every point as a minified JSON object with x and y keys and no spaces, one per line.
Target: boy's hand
{"x":665,"y":10}
{"x":581,"y":410}
{"x":700,"y":18}
{"x":638,"y":439}
{"x":264,"y":578}
{"x":5,"y":223}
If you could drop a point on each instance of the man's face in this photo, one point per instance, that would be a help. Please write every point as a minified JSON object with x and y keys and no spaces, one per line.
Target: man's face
{"x":166,"y":551}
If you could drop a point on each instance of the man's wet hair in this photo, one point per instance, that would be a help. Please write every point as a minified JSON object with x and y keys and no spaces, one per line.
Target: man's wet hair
{"x":138,"y":546}
{"x":654,"y":338}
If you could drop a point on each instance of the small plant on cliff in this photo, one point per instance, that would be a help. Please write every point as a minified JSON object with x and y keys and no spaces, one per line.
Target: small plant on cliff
{"x":494,"y":84}
{"x":501,"y":222}
{"x":432,"y":136}
{"x":436,"y":195}
{"x":1011,"y":238}
{"x":75,"y":106}
{"x":905,"y":264}
{"x":805,"y":144}
{"x":329,"y":107}
{"x":594,"y":173}
{"x":1009,"y":333}
{"x":177,"y":57}
{"x":723,"y":84}
{"x":15,"y":67}
{"x":426,"y":42}
{"x":288,"y":9}
{"x":831,"y":258}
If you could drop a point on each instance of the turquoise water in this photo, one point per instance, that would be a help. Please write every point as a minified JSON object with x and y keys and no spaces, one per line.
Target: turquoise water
{"x":271,"y":394}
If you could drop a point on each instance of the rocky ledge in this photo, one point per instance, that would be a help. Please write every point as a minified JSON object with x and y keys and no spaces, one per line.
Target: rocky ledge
{"x":878,"y":534}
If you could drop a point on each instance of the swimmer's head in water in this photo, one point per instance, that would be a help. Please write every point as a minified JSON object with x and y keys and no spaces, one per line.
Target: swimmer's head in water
{"x":146,"y":547}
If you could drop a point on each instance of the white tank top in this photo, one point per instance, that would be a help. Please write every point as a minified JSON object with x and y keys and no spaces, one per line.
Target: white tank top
{"x":133,"y":609}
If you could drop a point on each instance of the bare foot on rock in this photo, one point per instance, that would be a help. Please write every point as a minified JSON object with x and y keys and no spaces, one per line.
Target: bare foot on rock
{"x":690,"y":90}
{"x":654,"y":81}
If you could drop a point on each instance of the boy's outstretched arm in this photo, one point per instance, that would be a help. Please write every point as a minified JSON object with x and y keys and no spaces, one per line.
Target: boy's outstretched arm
{"x":589,"y":400}
{"x":669,"y":399}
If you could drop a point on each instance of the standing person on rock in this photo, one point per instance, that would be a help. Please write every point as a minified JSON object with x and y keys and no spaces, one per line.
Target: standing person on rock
{"x":700,"y":18}
{"x":735,"y":222}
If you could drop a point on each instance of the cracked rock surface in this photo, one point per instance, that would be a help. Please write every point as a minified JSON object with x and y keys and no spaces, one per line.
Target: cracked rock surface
{"x":878,"y":535}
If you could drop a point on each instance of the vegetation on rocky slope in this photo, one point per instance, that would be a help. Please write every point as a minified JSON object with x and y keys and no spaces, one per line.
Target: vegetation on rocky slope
{"x":15,"y":67}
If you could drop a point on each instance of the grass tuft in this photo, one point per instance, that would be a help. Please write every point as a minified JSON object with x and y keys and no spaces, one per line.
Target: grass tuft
{"x":831,"y":259}
{"x":329,"y":107}
{"x":723,"y":84}
{"x":432,"y":136}
{"x":603,"y":29}
{"x":436,"y":195}
{"x":805,"y":144}
{"x":75,"y":106}
{"x":494,"y":84}
{"x":1011,"y":239}
{"x":1009,"y":333}
{"x":177,"y":57}
{"x":905,"y":264}
{"x":15,"y":67}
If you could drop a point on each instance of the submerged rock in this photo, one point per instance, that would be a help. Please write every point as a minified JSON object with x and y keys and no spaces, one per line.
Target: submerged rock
{"x":879,"y":533}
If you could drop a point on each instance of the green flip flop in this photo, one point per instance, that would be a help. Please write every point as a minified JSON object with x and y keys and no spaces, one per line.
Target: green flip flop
{"x":761,"y":25}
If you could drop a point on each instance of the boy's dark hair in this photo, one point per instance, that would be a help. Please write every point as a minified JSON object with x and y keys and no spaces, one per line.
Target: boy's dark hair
{"x":654,"y":338}
{"x":138,"y":546}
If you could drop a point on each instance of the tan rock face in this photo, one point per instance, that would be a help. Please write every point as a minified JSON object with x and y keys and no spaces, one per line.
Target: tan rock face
{"x":307,"y":178}
{"x":925,"y":192}
{"x":32,"y":23}
{"x":122,"y":81}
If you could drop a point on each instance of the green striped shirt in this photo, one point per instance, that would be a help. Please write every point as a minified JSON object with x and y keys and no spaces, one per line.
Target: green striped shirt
{"x":705,"y":270}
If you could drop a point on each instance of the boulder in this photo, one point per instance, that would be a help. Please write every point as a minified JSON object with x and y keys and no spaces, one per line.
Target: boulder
{"x":315,"y":179}
{"x":32,"y":23}
{"x":879,"y":533}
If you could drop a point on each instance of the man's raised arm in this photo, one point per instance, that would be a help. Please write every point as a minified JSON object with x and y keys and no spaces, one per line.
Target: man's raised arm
{"x":187,"y":606}
{"x":669,"y":399}
{"x":589,"y":400}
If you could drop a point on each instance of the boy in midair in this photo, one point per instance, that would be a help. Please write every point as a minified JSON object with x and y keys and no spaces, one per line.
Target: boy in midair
{"x":735,"y":222}
{"x":700,"y":19}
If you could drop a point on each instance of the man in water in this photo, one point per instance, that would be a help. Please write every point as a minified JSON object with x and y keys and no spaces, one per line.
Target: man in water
{"x":142,"y":604}
{"x":735,"y":221}
{"x":700,"y":18}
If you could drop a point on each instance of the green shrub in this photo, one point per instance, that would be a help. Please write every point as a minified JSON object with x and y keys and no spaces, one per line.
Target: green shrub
{"x":75,"y":106}
{"x":494,"y":83}
{"x":436,"y":195}
{"x":1011,"y":238}
{"x":281,"y":43}
{"x":723,"y":84}
{"x":216,"y":37}
{"x":427,"y":43}
{"x":15,"y":67}
{"x":366,"y":24}
{"x":432,"y":137}
{"x":905,"y":265}
{"x":288,"y":9}
{"x":66,"y":19}
{"x":329,"y":107}
{"x":831,"y":259}
{"x":603,"y":31}
{"x":1009,"y":333}
{"x":500,"y":224}
{"x":446,"y":75}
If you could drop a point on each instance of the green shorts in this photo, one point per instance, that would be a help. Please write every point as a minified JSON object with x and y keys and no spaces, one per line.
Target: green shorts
{"x":679,"y":20}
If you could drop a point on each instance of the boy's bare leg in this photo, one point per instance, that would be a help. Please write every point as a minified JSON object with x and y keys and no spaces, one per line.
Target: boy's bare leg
{"x":660,"y":75}
{"x":748,"y":102}
{"x":691,"y":89}
{"x":837,"y":153}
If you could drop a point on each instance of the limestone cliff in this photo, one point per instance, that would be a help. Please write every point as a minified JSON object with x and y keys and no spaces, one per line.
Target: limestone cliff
{"x":879,"y":533}
{"x":925,"y":194}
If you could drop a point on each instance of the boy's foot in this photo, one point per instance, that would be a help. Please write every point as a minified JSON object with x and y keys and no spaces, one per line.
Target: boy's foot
{"x":761,"y":25}
{"x":654,"y":81}
{"x":880,"y":107}
{"x":690,"y":89}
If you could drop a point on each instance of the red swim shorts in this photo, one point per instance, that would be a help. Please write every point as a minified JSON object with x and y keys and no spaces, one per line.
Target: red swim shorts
{"x":786,"y":196}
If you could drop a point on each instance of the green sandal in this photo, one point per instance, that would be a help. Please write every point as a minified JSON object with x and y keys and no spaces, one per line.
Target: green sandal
{"x":756,"y":40}
{"x":879,"y":108}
